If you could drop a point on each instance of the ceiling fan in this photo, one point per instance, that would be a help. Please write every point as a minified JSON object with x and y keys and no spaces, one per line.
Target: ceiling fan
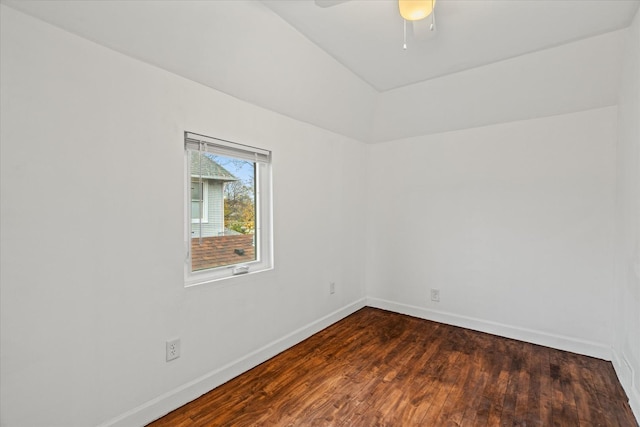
{"x":410,"y":10}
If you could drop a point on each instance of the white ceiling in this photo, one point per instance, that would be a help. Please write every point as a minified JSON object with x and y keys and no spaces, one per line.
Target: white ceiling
{"x":343,"y":68}
{"x":367,"y":35}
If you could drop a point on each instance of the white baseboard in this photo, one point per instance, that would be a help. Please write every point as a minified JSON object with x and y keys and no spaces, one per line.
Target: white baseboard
{"x":173,"y":399}
{"x":574,"y":345}
{"x":625,"y":372}
{"x":634,"y":402}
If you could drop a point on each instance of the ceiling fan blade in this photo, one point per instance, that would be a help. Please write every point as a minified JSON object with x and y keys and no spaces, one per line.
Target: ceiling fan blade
{"x":329,"y":3}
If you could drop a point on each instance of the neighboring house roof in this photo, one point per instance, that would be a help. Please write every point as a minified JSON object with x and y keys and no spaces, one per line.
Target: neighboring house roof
{"x":211,"y":252}
{"x":210,"y":168}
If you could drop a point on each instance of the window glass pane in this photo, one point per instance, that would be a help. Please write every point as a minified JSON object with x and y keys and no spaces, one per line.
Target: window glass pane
{"x":196,"y":192}
{"x":195,"y":210}
{"x":227,"y":234}
{"x":196,"y":200}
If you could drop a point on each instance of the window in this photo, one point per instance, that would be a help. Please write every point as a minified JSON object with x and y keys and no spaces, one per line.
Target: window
{"x":199,"y":201}
{"x":228,"y":206}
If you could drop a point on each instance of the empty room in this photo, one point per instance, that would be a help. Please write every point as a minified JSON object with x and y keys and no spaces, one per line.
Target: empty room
{"x":319,"y":212}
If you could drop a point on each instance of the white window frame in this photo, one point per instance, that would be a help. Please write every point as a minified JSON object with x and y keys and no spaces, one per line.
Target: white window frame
{"x":205,"y":202}
{"x":263,"y":202}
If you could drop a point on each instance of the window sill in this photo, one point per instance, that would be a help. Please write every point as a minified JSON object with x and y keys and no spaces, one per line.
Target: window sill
{"x":222,"y":274}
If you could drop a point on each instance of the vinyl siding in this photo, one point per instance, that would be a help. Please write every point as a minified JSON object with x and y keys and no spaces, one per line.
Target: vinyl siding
{"x":215,"y":200}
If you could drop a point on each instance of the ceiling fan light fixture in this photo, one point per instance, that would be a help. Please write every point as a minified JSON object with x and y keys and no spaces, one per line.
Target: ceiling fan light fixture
{"x":415,"y":10}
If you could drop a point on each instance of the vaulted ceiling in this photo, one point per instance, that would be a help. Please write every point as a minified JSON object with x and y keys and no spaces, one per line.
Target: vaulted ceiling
{"x":366,"y":35}
{"x":343,"y":67}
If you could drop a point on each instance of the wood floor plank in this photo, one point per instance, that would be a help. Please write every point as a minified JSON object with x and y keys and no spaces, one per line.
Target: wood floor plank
{"x":564,"y":409}
{"x":377,"y":368}
{"x":492,"y":356}
{"x":463,"y":398}
{"x":473,"y":393}
{"x":522,"y":393}
{"x":453,"y":408}
{"x":546,"y":389}
{"x":533,"y":416}
{"x":496,"y":392}
{"x":510,"y":395}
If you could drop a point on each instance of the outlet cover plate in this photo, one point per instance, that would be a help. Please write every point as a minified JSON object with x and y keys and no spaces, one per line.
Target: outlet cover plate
{"x":173,"y":349}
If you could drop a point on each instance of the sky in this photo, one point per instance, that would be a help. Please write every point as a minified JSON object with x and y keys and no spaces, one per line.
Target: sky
{"x":239,"y":168}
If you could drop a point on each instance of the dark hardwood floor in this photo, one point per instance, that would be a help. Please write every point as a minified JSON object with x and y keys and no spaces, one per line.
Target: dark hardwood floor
{"x":377,"y":368}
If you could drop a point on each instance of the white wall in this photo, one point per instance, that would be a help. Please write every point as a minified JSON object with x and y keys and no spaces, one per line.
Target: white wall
{"x":512,"y":222}
{"x":89,"y":295}
{"x":627,"y":277}
{"x":252,"y":54}
{"x":572,"y":77}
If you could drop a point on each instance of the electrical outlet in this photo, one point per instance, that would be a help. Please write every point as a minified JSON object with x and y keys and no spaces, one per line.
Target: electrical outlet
{"x":435,"y":295}
{"x":332,"y":287}
{"x":173,"y":349}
